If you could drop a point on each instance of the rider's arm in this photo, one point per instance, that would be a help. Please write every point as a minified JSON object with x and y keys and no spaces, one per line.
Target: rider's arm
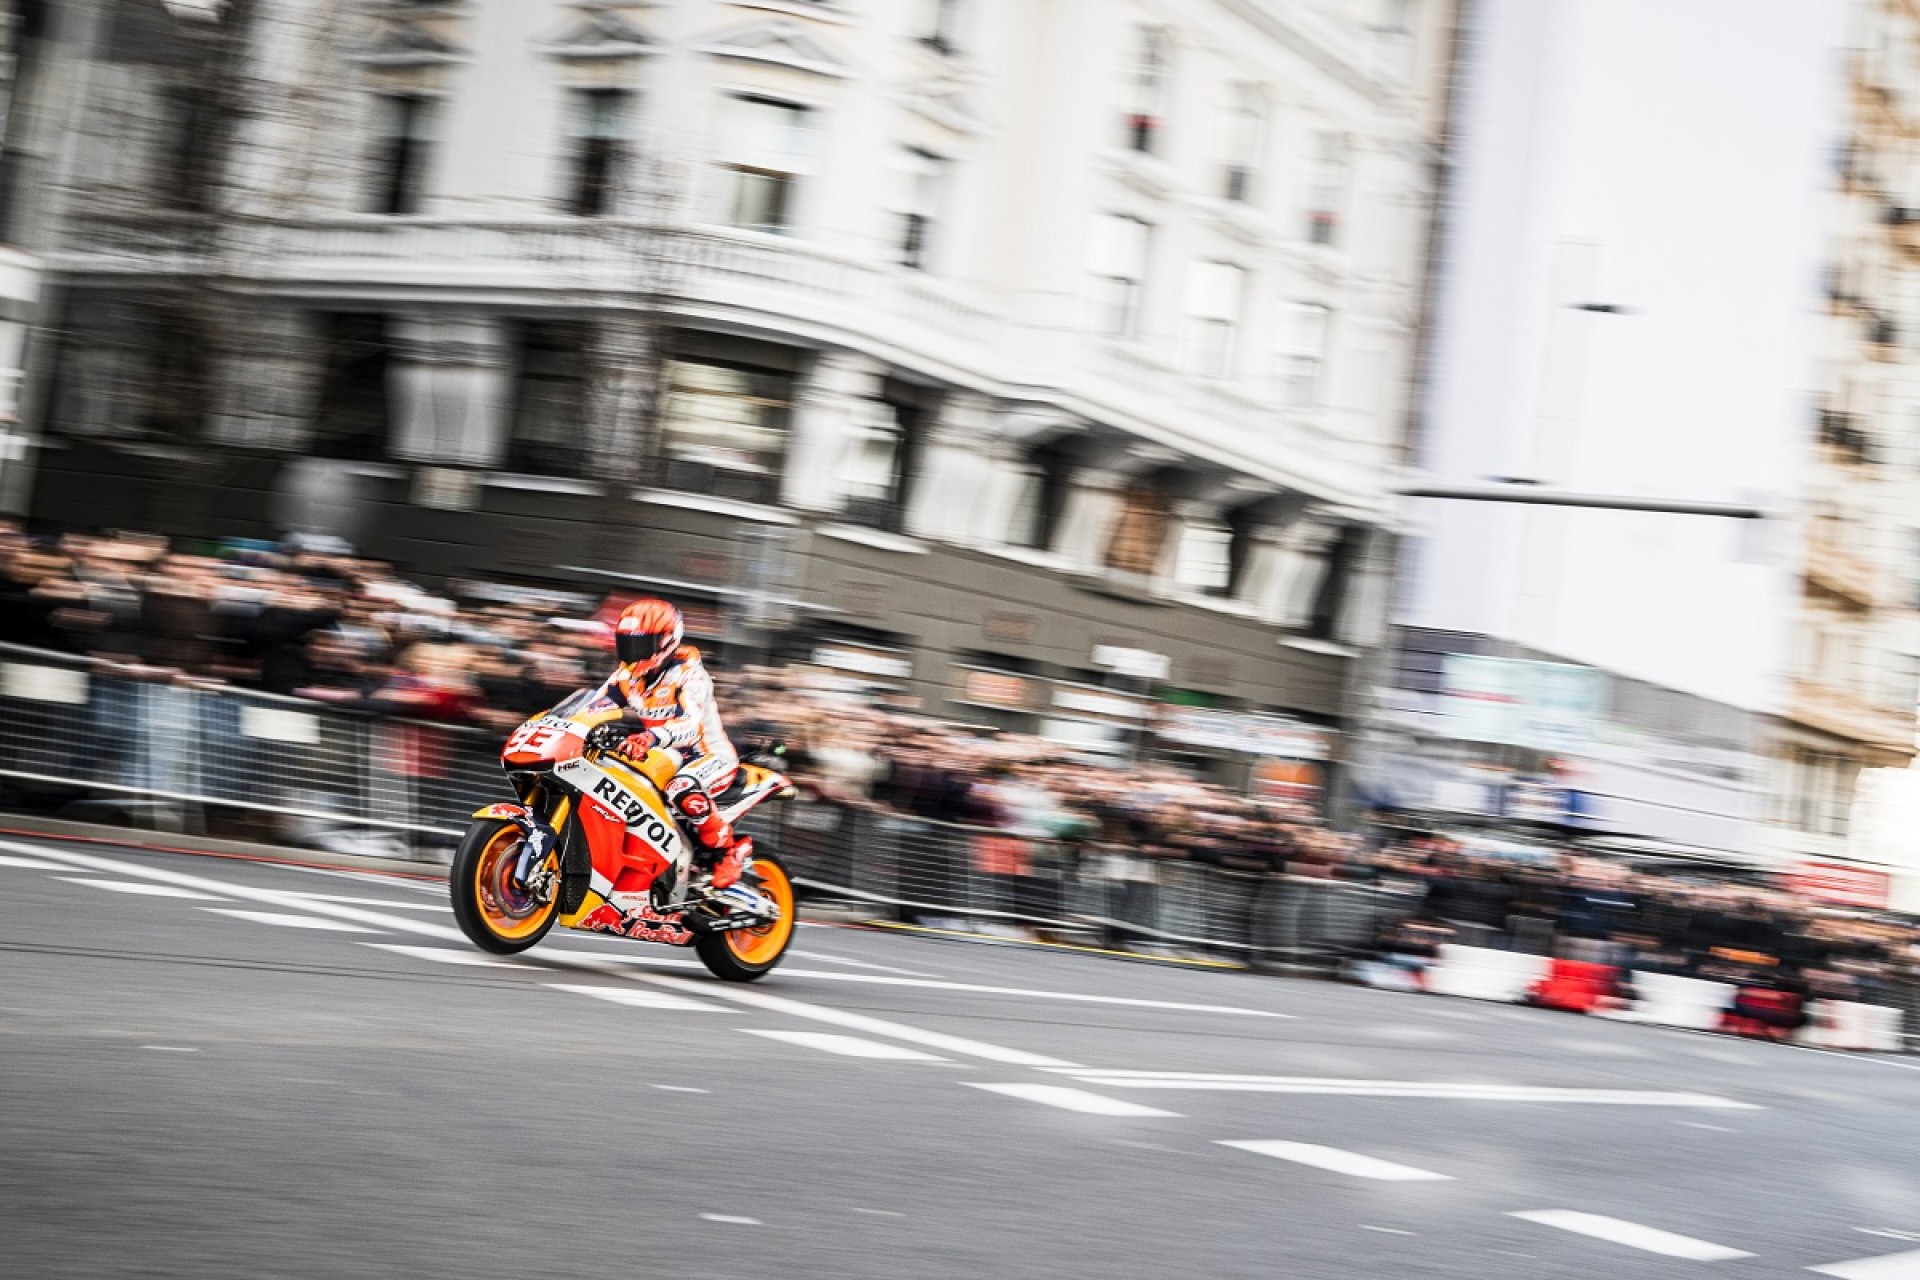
{"x":694,"y":699}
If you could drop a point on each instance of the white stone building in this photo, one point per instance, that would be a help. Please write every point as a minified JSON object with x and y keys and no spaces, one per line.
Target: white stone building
{"x":1100,"y":310}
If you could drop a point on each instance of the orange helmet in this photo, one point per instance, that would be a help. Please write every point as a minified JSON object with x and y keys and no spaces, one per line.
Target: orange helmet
{"x":645,"y":637}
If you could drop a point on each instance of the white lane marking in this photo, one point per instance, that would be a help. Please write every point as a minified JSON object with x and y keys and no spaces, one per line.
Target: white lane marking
{"x":134,"y":886}
{"x":1888,"y":1234}
{"x":637,"y":999}
{"x":878,"y":1213}
{"x":453,"y":955}
{"x":733,"y":1218}
{"x":1069,"y":1099}
{"x":288,"y":921}
{"x":169,"y":1048}
{"x":1386,"y":1231}
{"x":574,"y":960}
{"x":1400,"y":1089}
{"x":938,"y":984}
{"x":1334,"y":1160}
{"x":331,"y":910}
{"x":1631,"y":1234}
{"x":30,"y":864}
{"x":677,"y":1088}
{"x":1891,"y":1266}
{"x":848,"y":1046}
{"x":859,"y":1022}
{"x":1711,"y":1128}
{"x":862,"y":964}
{"x":1851,"y":1055}
{"x":441,"y":907}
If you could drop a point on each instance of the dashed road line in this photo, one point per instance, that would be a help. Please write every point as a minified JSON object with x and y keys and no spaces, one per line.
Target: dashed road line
{"x":846,"y":1046}
{"x":453,"y":955}
{"x":145,"y":890}
{"x":1335,"y":1160}
{"x":637,"y":999}
{"x":29,"y":864}
{"x":1634,"y":1235}
{"x":287,"y":920}
{"x":1889,"y":1266}
{"x":1362,"y":1088}
{"x":1071,"y":1099}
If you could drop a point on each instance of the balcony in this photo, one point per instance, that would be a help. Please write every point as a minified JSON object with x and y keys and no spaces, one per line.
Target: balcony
{"x":1839,"y":571}
{"x":1886,"y":733}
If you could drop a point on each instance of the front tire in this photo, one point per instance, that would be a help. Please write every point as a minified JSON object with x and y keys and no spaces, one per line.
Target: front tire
{"x":492,"y":912}
{"x":747,"y":955}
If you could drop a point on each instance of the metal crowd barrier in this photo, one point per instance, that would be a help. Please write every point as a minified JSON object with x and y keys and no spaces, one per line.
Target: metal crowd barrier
{"x":78,"y":735}
{"x":915,"y":870}
{"x":88,"y":740}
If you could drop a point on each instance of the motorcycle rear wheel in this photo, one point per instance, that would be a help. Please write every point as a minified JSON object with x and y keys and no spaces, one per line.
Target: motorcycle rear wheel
{"x":747,"y":955}
{"x":493,"y":914}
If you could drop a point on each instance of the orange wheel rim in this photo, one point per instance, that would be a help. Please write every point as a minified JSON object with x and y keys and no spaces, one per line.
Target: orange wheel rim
{"x":763,"y":946}
{"x":510,"y":914}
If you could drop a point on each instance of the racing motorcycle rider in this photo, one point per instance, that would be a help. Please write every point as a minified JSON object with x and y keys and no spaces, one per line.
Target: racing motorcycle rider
{"x":666,"y":697}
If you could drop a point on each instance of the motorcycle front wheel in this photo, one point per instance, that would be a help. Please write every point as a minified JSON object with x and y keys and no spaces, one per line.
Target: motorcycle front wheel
{"x":494,"y":913}
{"x":747,"y":955}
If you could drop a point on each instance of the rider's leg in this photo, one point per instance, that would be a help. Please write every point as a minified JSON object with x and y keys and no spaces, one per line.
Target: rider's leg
{"x":691,"y":790}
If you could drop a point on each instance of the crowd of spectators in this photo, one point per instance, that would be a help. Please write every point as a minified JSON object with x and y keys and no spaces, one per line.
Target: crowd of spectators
{"x":1682,"y":921}
{"x":311,"y":620}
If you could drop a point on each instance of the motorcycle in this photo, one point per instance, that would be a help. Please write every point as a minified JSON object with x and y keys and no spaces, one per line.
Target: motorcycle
{"x":593,"y":845}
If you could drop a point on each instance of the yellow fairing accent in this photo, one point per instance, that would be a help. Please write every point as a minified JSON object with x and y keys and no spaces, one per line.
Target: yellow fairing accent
{"x":588,"y":903}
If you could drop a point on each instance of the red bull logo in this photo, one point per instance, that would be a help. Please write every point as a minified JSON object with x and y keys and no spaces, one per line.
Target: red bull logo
{"x":646,"y":925}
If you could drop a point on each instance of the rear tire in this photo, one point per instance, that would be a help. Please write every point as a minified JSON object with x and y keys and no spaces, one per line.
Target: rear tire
{"x":493,"y":916}
{"x":747,"y":955}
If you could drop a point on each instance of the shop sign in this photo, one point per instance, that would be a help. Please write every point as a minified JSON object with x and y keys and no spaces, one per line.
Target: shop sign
{"x":1098,"y":704}
{"x":1840,"y":884}
{"x":1246,"y":732}
{"x":866,"y":662}
{"x":1549,"y":706}
{"x":1294,"y":780}
{"x":995,"y":690}
{"x":1141,"y":664}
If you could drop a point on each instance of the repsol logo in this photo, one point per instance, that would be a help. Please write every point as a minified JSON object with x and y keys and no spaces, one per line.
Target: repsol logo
{"x":635,"y":814}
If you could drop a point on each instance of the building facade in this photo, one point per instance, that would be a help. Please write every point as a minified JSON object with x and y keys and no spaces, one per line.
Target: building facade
{"x":1029,"y":357}
{"x":1604,"y":327}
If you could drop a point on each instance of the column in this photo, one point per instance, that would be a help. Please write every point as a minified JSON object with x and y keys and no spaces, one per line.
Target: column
{"x":622,"y":366}
{"x":821,"y":430}
{"x":451,"y":382}
{"x":266,"y":378}
{"x":1363,"y":615}
{"x":1086,"y":524}
{"x":955,"y":471}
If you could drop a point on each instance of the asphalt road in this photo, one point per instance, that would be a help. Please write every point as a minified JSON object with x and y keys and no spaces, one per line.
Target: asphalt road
{"x":218,"y":1068}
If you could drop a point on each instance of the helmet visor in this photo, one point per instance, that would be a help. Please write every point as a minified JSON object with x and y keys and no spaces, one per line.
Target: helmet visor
{"x":640,"y":649}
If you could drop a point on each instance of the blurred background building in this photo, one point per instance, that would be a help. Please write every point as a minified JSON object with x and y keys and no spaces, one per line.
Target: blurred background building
{"x":1033,"y":359}
{"x":1674,"y":684}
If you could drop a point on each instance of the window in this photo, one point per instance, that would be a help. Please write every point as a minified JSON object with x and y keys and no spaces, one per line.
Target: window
{"x":1117,"y":258}
{"x":186,"y":174}
{"x":1204,"y":560}
{"x":771,"y":143}
{"x":1213,"y":310}
{"x":1299,"y":352}
{"x":550,"y":401}
{"x":1818,"y":790}
{"x":1040,"y":497}
{"x":1328,"y":195}
{"x":1242,"y":127}
{"x":350,"y":418}
{"x":1139,"y":531}
{"x":401,"y":159}
{"x":942,"y":16}
{"x":598,"y":125}
{"x":1147,"y":89}
{"x":926,"y":185}
{"x":723,"y":429}
{"x":879,"y":463}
